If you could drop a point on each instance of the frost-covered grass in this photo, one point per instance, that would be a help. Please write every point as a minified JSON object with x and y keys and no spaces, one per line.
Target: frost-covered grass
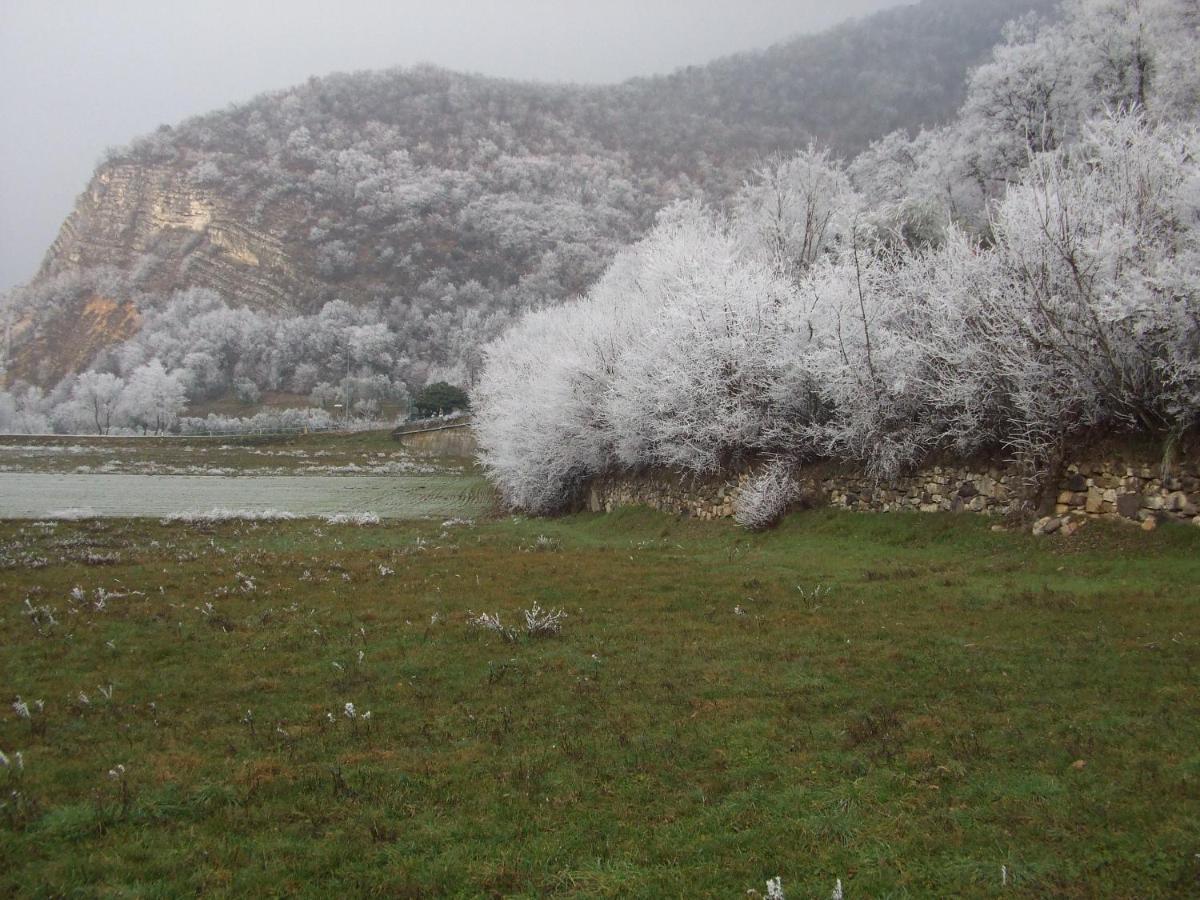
{"x":369,"y":453}
{"x":71,"y":514}
{"x":221,"y":514}
{"x":911,"y":704}
{"x":361,"y":519}
{"x":355,"y":501}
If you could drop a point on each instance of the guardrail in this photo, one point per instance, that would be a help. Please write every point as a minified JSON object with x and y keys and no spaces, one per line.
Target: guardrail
{"x":424,"y":426}
{"x":183,"y":436}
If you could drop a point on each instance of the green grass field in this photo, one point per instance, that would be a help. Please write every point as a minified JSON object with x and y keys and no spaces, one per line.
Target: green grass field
{"x":906,"y":703}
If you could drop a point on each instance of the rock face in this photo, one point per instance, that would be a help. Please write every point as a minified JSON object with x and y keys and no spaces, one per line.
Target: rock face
{"x":159,"y":230}
{"x":1131,"y":489}
{"x":153,"y":221}
{"x":152,"y":215}
{"x":97,"y":323}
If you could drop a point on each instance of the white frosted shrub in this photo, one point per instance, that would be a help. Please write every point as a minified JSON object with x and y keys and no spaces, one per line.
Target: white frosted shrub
{"x":927,"y":379}
{"x":1084,"y":312}
{"x":862,"y":367}
{"x":1099,"y":251}
{"x":301,"y":419}
{"x":360,"y":519}
{"x":228,"y":515}
{"x":767,"y":496}
{"x":537,"y":402}
{"x":796,"y":210}
{"x":691,"y":386}
{"x":543,"y":622}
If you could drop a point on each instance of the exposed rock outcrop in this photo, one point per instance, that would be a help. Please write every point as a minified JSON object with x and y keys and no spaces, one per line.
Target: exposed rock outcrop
{"x":184,"y":234}
{"x":46,"y":355}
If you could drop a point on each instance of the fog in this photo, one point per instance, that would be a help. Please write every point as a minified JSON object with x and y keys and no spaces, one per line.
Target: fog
{"x":77,"y":76}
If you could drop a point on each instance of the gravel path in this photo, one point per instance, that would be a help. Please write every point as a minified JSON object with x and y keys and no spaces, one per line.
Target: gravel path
{"x":35,"y":495}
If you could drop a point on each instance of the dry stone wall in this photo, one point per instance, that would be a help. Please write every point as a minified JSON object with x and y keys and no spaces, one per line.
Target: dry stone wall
{"x":448,"y":440}
{"x":1132,"y":486}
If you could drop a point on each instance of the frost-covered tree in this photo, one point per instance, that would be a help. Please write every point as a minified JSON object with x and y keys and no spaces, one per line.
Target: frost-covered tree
{"x":153,"y":398}
{"x":1042,"y":85}
{"x":700,"y":347}
{"x":537,"y":403}
{"x":797,"y":209}
{"x":691,"y":385}
{"x":1100,"y":248}
{"x":8,"y":413}
{"x":24,"y":410}
{"x":246,"y":391}
{"x":97,"y":396}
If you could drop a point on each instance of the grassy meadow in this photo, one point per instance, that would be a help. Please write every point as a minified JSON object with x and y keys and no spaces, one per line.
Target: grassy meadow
{"x":912,"y":704}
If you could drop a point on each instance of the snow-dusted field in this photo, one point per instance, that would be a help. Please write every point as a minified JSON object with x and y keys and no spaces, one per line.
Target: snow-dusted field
{"x":170,"y":457}
{"x":39,"y":495}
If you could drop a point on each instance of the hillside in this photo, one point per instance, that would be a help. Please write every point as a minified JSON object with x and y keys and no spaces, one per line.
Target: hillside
{"x":447,"y":203}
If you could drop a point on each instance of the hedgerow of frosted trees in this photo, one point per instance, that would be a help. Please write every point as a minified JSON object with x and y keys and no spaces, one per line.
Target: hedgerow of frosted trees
{"x":196,"y":348}
{"x":1025,"y":286}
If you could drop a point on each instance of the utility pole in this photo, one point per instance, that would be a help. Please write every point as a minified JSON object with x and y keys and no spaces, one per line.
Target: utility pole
{"x":8,"y":317}
{"x":346,"y":382}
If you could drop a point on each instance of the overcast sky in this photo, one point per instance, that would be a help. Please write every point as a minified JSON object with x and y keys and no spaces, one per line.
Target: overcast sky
{"x":77,"y":76}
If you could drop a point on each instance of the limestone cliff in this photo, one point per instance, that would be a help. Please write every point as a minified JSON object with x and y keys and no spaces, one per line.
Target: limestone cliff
{"x":44,"y":356}
{"x":156,"y":232}
{"x":133,"y":214}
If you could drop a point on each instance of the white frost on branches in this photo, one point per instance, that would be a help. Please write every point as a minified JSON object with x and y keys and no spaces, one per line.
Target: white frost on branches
{"x":832,"y":314}
{"x":1085,"y":310}
{"x":764,"y":500}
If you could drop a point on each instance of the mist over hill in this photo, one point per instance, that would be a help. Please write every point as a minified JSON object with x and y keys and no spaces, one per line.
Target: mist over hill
{"x":439,"y":206}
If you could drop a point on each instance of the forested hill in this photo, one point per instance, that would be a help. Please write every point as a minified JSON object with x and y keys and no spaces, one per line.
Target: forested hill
{"x":898,"y":69}
{"x":446,"y":203}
